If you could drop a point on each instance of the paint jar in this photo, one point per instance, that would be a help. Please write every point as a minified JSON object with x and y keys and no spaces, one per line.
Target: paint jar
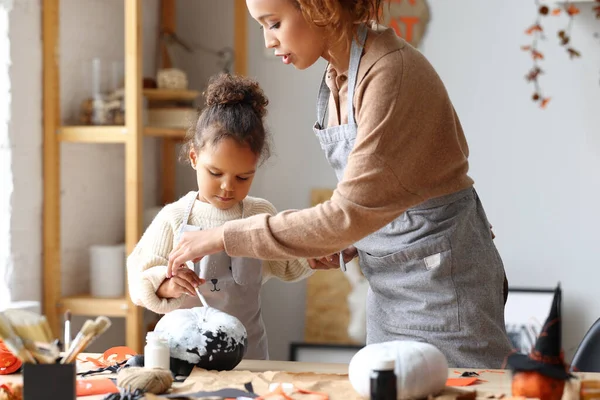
{"x":383,"y":380}
{"x":156,"y":352}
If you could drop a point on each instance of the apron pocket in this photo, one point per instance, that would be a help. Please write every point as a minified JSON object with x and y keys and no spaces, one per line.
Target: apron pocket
{"x":413,"y":288}
{"x":246,"y":271}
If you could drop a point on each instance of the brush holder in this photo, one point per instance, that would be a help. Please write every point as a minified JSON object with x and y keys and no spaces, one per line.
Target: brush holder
{"x":49,"y":381}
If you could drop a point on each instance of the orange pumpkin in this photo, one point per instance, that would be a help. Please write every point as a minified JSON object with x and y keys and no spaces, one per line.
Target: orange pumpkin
{"x":534,"y":384}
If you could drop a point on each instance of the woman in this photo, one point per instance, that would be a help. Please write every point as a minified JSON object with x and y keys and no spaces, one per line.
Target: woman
{"x":404,"y":201}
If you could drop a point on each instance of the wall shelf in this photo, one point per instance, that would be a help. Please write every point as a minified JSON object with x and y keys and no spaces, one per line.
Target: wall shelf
{"x":171,"y":133}
{"x":93,"y":306}
{"x":92,"y":134}
{"x":170,"y":95}
{"x":112,"y":134}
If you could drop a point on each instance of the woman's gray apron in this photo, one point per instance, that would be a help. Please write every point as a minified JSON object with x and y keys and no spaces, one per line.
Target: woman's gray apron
{"x":434,"y":273}
{"x":233,"y":286}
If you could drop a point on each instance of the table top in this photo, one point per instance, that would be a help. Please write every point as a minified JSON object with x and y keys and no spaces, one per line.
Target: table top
{"x":491,"y":381}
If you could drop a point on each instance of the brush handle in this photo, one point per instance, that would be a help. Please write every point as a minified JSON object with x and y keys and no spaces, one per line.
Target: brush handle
{"x":202,"y":299}
{"x":79,"y":347}
{"x":67,"y":335}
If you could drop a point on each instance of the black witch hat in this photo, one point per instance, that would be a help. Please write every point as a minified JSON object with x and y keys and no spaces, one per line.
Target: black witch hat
{"x":547,"y":356}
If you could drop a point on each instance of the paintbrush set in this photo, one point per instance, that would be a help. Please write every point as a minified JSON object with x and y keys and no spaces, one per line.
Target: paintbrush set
{"x":28,"y":336}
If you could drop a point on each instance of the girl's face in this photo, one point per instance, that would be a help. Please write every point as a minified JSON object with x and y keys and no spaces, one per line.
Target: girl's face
{"x":224,"y":172}
{"x":287,"y":32}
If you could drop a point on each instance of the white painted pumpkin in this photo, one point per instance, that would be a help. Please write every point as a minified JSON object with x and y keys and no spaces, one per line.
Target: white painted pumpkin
{"x":421,"y":369}
{"x":205,"y":337}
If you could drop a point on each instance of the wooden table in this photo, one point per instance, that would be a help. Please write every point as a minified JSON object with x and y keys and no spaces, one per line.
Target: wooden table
{"x":496,"y":381}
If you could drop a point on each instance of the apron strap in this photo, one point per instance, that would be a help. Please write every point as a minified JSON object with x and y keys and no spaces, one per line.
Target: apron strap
{"x":188,"y":211}
{"x":324,"y":92}
{"x":355,"y":55}
{"x":322,"y":100}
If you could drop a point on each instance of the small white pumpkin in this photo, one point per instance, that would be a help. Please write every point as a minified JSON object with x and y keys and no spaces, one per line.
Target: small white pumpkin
{"x":421,"y":369}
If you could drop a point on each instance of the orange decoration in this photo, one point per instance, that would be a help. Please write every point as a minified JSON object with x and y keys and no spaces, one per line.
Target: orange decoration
{"x":572,"y":9}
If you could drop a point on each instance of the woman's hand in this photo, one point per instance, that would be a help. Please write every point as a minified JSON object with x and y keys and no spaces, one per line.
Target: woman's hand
{"x":333,"y":261}
{"x":185,"y":282}
{"x":192,"y":246}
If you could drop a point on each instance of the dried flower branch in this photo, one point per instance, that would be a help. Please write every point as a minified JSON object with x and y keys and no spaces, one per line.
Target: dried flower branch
{"x":565,"y":34}
{"x":536,"y":31}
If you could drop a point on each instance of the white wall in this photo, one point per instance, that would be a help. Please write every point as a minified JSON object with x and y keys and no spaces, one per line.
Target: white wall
{"x":21,"y":150}
{"x":538,"y":172}
{"x":206,"y":26}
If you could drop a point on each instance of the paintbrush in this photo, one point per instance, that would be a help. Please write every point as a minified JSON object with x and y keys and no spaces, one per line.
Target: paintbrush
{"x":29,"y":325}
{"x":14,"y":342}
{"x":86,"y":329}
{"x":202,"y":299}
{"x":92,"y":332}
{"x":67,"y":330}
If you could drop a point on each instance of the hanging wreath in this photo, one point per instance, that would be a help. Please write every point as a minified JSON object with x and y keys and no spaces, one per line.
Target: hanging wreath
{"x":537,"y":33}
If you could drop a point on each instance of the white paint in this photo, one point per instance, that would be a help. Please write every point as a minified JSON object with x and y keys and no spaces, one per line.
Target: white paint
{"x":186,"y":329}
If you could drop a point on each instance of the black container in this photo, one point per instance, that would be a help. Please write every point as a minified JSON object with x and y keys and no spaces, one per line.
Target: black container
{"x":49,"y":381}
{"x":383,"y":380}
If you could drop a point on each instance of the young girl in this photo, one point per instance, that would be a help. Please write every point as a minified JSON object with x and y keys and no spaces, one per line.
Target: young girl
{"x":404,"y":201}
{"x":225,"y":148}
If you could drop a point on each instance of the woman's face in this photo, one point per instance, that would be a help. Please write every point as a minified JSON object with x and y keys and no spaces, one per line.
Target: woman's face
{"x":287,"y":32}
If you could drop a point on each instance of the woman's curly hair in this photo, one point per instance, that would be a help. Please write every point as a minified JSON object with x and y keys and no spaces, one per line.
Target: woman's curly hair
{"x":338,"y":17}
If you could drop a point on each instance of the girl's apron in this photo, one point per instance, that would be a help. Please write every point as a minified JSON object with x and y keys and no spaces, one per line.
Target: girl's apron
{"x":233,"y":286}
{"x":434,"y":273}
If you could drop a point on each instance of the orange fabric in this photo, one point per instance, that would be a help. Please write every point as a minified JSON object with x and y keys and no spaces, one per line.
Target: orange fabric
{"x":111,"y":356}
{"x":90,"y":387}
{"x":9,"y":363}
{"x":461,"y":381}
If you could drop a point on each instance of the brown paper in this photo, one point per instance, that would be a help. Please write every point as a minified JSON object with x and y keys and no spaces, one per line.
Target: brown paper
{"x":336,"y":386}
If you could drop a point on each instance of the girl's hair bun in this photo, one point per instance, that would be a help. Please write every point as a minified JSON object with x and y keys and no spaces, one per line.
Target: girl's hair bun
{"x":229,"y":90}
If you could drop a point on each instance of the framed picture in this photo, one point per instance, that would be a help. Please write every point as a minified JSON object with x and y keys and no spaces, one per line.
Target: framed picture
{"x":323,"y":353}
{"x":525,"y":312}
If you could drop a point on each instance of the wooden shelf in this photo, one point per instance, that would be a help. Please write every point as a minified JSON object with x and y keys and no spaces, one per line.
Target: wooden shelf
{"x":92,"y":134}
{"x":170,"y":94}
{"x":130,"y":135}
{"x":172,"y":133}
{"x":94,"y":306}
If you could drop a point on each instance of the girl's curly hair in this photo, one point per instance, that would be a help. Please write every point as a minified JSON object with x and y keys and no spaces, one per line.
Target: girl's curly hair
{"x":235,"y":108}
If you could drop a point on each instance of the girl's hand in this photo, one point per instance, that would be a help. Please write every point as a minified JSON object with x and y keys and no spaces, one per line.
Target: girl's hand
{"x":333,"y":261}
{"x":193,"y":246}
{"x":185,"y":282}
